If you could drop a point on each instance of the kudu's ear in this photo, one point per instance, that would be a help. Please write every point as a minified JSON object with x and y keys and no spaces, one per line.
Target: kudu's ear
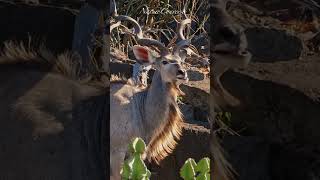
{"x":143,"y":55}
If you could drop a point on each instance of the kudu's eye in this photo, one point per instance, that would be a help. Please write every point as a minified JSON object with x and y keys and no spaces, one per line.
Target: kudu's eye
{"x":165,"y":62}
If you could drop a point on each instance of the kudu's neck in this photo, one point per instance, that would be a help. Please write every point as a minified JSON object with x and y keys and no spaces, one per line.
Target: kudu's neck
{"x":158,"y":99}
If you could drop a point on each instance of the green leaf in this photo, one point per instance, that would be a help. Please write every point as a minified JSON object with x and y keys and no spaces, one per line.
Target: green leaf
{"x":126,"y":171}
{"x":138,"y":145}
{"x":203,"y":165}
{"x":205,"y":176}
{"x":139,"y":169}
{"x":148,"y":173}
{"x":134,"y":168}
{"x":228,"y":115}
{"x":131,"y":148}
{"x":187,"y":172}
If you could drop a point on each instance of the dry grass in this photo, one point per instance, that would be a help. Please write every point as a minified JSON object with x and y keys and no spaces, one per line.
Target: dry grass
{"x":158,"y":26}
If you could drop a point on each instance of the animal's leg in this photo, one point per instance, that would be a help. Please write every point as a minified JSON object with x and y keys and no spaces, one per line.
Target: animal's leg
{"x":43,"y":122}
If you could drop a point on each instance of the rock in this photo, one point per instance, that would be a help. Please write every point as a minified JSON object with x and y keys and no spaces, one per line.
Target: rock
{"x":280,"y":111}
{"x":278,"y":107}
{"x":195,"y":107}
{"x":271,"y":45}
{"x":125,"y":70}
{"x":294,"y":162}
{"x":201,"y":113}
{"x":195,"y":75}
{"x":195,"y":96}
{"x":187,"y":111}
{"x":255,"y":159}
{"x":193,"y":144}
{"x":249,"y":157}
{"x":284,"y":10}
{"x":201,"y":42}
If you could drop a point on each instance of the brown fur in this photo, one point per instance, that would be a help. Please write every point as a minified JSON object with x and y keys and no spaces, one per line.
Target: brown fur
{"x":164,"y":139}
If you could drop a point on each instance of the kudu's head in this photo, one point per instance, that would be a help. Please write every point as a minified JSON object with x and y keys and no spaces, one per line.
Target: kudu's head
{"x":169,"y":64}
{"x":228,"y":48}
{"x":229,"y":39}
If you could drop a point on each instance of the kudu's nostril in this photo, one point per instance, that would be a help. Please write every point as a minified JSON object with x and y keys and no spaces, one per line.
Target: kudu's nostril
{"x":227,"y":33}
{"x":181,"y":72}
{"x":244,"y":52}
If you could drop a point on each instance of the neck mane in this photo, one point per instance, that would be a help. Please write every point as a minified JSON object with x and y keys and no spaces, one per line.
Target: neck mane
{"x":161,"y":118}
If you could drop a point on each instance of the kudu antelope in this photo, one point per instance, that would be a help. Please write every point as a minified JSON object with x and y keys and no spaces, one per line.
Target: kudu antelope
{"x":151,"y":113}
{"x":228,"y":51}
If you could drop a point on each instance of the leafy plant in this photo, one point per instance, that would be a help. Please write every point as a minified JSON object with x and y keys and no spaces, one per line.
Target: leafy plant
{"x":196,"y":171}
{"x":134,"y":168}
{"x":225,"y":117}
{"x":224,"y":121}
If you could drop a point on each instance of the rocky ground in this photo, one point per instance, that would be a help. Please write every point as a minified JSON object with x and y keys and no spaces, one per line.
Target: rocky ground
{"x":280,"y":92}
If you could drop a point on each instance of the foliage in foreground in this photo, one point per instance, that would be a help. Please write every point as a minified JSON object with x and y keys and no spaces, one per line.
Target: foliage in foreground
{"x":135,"y":169}
{"x":196,"y":171}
